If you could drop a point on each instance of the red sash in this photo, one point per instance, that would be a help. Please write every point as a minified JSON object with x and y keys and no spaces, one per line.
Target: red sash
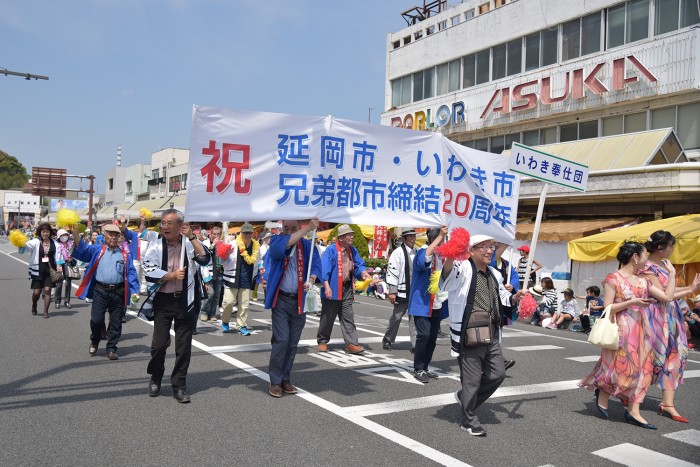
{"x":88,"y":274}
{"x":300,"y":277}
{"x":340,"y":271}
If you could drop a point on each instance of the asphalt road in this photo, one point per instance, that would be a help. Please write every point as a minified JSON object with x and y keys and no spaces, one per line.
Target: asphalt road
{"x":59,"y":406}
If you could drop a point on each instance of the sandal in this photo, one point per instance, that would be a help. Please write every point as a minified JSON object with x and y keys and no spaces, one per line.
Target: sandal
{"x":46,"y":315}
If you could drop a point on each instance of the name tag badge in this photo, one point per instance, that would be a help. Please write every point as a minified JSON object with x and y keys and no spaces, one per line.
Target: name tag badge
{"x":45,"y":259}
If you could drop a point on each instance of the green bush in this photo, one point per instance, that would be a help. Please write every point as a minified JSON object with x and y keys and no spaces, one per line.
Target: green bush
{"x":82,"y":228}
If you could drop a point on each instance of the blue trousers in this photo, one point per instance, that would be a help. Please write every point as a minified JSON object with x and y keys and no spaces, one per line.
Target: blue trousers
{"x":287,"y":325}
{"x":426,"y":338}
{"x":104,"y":301}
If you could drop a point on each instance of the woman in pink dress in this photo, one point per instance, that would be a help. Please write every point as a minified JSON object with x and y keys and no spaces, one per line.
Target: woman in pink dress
{"x":665,"y":321}
{"x":627,"y":372}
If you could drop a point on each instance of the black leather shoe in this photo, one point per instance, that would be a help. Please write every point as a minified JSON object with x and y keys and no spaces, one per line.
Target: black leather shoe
{"x":602,"y":410}
{"x":180,"y":395}
{"x":509,"y":363}
{"x":386,"y":345}
{"x":153,"y":388}
{"x":92,"y":349}
{"x":112,"y":356}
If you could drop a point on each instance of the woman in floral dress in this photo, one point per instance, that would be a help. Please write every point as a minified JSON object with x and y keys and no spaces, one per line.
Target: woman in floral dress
{"x":665,"y":321}
{"x":627,"y":372}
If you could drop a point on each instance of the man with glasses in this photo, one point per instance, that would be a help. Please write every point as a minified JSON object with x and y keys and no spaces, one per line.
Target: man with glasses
{"x":473,"y":286}
{"x":399,"y":271}
{"x":172,"y":263}
{"x":240,"y":272}
{"x":110,"y":279}
{"x":341,"y":265}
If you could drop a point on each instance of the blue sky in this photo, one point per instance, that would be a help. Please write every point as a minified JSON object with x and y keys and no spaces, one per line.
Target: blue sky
{"x":128,"y":71}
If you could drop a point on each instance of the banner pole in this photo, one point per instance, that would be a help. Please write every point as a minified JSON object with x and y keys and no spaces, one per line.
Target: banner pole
{"x":311,"y":254}
{"x":535,"y":234}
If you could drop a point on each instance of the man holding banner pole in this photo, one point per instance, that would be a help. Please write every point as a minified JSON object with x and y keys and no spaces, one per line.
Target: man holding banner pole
{"x":341,"y":265}
{"x":294,"y":265}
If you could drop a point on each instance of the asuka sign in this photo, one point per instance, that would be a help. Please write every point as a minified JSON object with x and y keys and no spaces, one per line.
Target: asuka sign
{"x":527,"y":95}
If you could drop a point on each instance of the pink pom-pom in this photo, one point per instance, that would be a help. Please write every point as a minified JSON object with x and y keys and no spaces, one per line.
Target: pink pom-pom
{"x":223,"y":250}
{"x":457,"y":247}
{"x":527,"y":307}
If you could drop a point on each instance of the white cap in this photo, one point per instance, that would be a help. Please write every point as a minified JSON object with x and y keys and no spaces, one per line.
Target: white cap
{"x":476,"y":239}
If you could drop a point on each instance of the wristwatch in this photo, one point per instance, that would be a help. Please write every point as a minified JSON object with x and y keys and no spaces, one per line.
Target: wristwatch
{"x":193,"y":237}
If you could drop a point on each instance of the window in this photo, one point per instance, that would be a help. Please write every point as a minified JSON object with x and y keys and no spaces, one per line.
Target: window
{"x":568,"y":132}
{"x":128,"y":186}
{"x":397,"y":44}
{"x":628,"y":22}
{"x":550,"y":46}
{"x":635,"y":122}
{"x":442,"y":25}
{"x":499,"y":3}
{"x":469,"y":14}
{"x":110,"y":182}
{"x":405,"y":91}
{"x":418,"y":35}
{"x":637,"y":22}
{"x":428,"y":83}
{"x":484,"y":8}
{"x":548,"y":135}
{"x":430,"y":30}
{"x":514,"y":63}
{"x":481,"y":144}
{"x":469,"y":66}
{"x":183,"y":184}
{"x":395,"y":102}
{"x":406,"y":40}
{"x":674,"y":14}
{"x":165,"y":172}
{"x":442,"y":79}
{"x":510,"y":139}
{"x":532,"y":51}
{"x":498,"y":70}
{"x":571,"y":40}
{"x":663,"y":118}
{"x":689,"y":126}
{"x":497,"y":144}
{"x":455,"y":20}
{"x":612,"y":126}
{"x":590,"y":34}
{"x":154,"y":174}
{"x":454,"y":70}
{"x":418,"y":86}
{"x":482,"y":67}
{"x":531,"y":138}
{"x":587,"y":130}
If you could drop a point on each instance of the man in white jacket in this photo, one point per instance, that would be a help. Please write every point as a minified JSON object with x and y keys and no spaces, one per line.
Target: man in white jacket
{"x":473,"y":285}
{"x":398,"y":278}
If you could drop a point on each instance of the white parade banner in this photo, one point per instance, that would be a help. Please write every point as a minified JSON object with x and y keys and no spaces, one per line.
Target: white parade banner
{"x":258,"y":166}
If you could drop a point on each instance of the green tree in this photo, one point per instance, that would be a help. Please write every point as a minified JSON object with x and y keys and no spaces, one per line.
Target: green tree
{"x":360,"y":241}
{"x":12,"y":173}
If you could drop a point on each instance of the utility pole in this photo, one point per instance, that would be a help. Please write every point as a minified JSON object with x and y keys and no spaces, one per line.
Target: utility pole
{"x":27,"y":76}
{"x":369,"y":115}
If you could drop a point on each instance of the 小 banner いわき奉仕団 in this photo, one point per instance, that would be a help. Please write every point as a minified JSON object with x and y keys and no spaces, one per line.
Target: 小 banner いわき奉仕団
{"x":258,"y":166}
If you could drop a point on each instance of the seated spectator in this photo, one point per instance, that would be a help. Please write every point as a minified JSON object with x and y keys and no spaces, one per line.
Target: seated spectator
{"x":594,"y":307}
{"x":568,"y":310}
{"x":548,"y":306}
{"x":692,"y":321}
{"x":379,"y":286}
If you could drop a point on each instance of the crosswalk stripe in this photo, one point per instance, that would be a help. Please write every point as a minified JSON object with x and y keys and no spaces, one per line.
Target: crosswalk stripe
{"x":691,"y":437}
{"x":527,"y":348}
{"x":585,"y":358}
{"x":637,"y":456}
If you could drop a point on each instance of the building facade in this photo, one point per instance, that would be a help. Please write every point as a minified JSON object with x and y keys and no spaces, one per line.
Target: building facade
{"x":124,"y":184}
{"x":490,"y":73}
{"x":169,"y":168}
{"x":19,"y":209}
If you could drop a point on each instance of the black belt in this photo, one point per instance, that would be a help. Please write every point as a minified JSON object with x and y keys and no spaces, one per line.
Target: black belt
{"x":288,"y":295}
{"x":110,"y":286}
{"x":171,"y":294}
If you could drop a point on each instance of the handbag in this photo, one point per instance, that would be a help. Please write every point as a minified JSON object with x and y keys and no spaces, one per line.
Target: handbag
{"x":73,"y":272}
{"x":479,"y":330}
{"x":604,"y":332}
{"x":56,"y":276}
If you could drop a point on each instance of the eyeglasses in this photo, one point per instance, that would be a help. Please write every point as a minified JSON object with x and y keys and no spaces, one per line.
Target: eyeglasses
{"x":168,"y":224}
{"x":487,"y":248}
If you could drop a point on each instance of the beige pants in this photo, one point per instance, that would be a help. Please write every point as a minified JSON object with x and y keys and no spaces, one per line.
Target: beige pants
{"x":239,"y":298}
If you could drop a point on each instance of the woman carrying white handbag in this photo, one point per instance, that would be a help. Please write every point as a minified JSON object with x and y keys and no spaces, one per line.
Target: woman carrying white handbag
{"x":626,"y":373}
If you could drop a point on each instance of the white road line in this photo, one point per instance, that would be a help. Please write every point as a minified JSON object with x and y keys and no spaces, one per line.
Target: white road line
{"x":585,"y":358}
{"x":302,"y":343}
{"x":440,"y":400}
{"x":527,"y":348}
{"x":691,"y":374}
{"x":552,"y":336}
{"x":691,"y":437}
{"x":637,"y":456}
{"x":336,"y":323}
{"x":391,"y":435}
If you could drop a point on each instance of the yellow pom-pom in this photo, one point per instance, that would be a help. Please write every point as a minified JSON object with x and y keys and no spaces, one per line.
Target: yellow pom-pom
{"x":145,"y":212}
{"x":18,"y":239}
{"x":433,"y":287}
{"x":67,"y":218}
{"x":362,"y":285}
